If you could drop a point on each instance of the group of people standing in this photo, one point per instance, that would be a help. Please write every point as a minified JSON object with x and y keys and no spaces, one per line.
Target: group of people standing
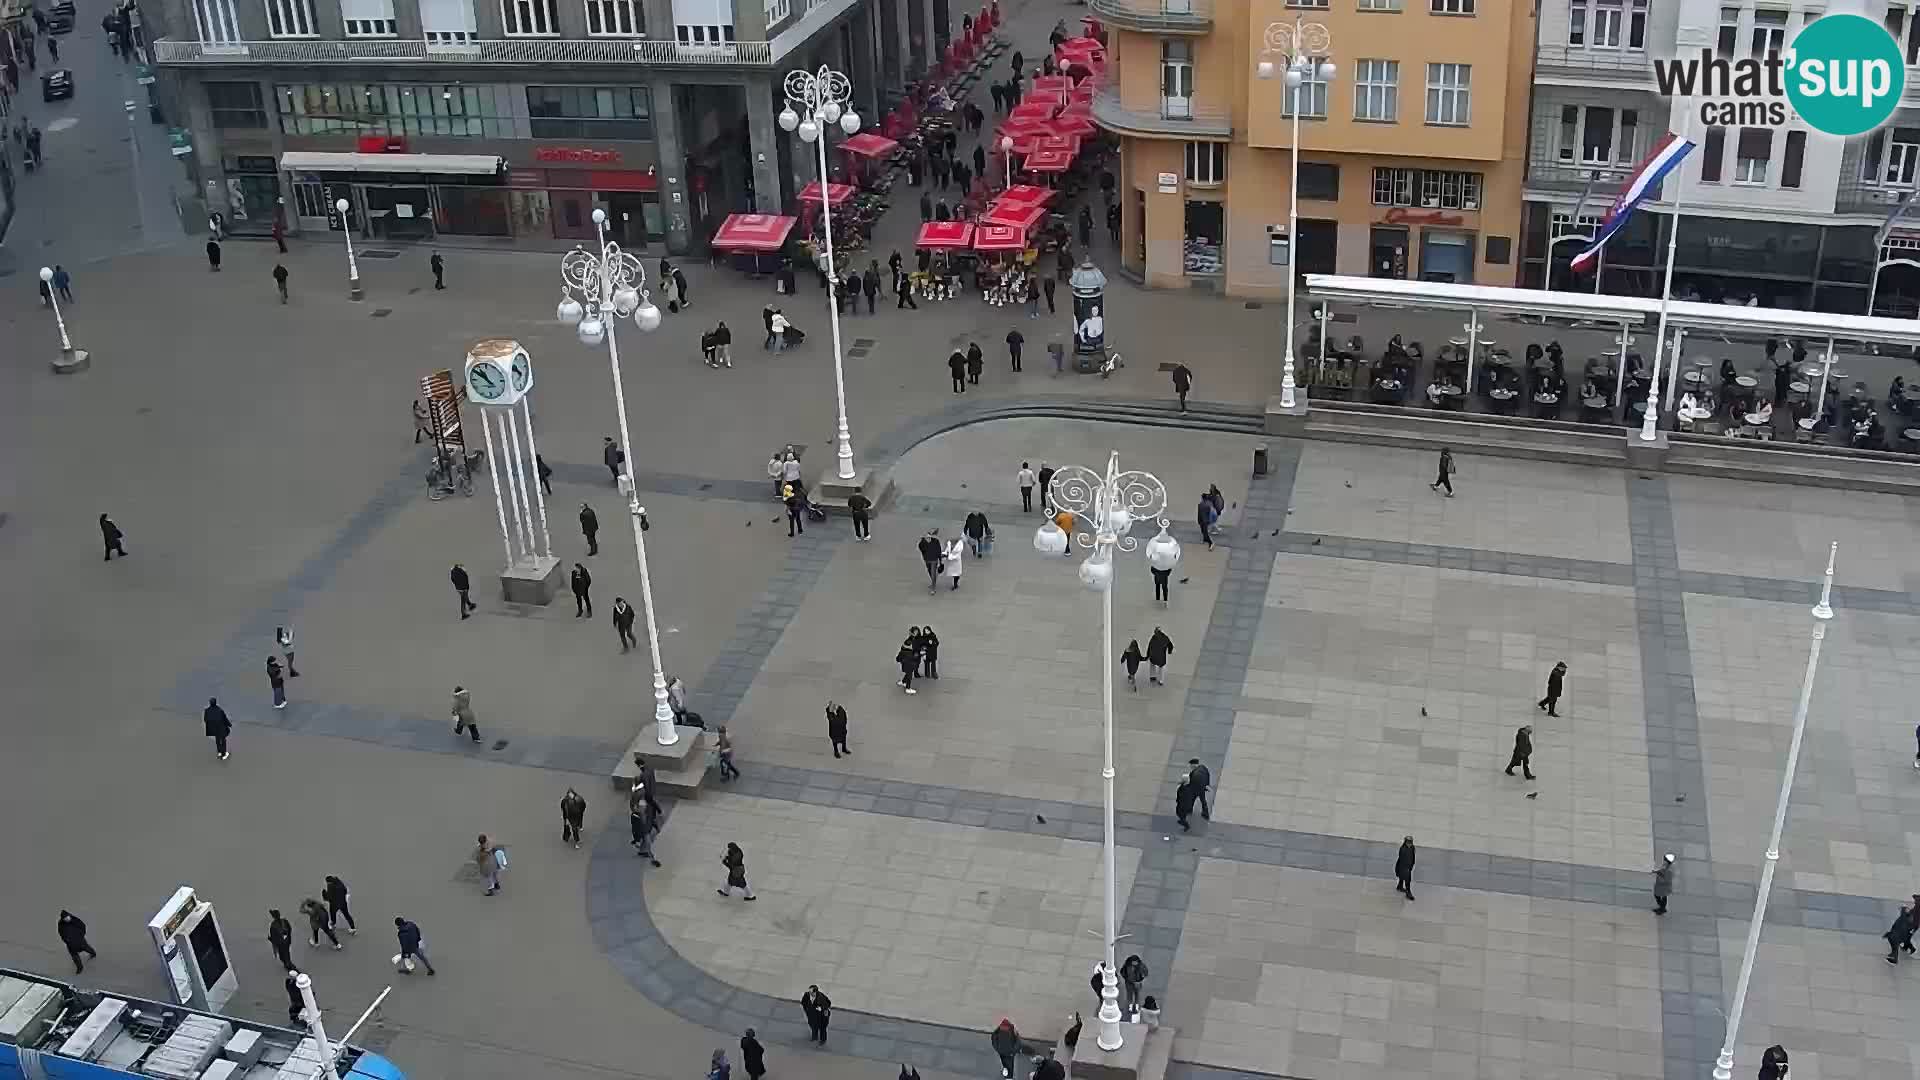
{"x":919,"y":654}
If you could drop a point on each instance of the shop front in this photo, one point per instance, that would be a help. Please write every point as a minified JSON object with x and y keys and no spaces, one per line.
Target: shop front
{"x":554,"y":190}
{"x":1426,"y":244}
{"x":397,"y":196}
{"x":253,"y":194}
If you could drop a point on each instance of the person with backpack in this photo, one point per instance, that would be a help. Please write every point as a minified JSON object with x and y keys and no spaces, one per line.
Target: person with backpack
{"x":1006,"y":1043}
{"x":1206,"y":515}
{"x":491,"y":860}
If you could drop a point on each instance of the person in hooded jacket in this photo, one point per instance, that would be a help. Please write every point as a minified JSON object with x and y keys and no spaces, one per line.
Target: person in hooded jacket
{"x":976,"y":528}
{"x":1403,"y":869}
{"x":753,"y":1056}
{"x":573,"y":814}
{"x":1773,"y":1063}
{"x":1133,"y":975}
{"x":73,"y":935}
{"x":1131,"y":660}
{"x":581,"y":583}
{"x":1159,"y":648}
{"x":1006,"y":1043}
{"x":337,"y":896}
{"x":929,"y":650}
{"x":218,"y":727}
{"x":318,"y":923}
{"x":280,"y":936}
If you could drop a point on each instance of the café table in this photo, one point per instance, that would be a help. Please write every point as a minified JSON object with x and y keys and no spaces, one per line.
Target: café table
{"x":1745,"y":382}
{"x":1911,"y":434}
{"x":1799,"y":387}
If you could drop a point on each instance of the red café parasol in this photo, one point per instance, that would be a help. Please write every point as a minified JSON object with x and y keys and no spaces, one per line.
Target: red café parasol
{"x":838,"y":193}
{"x":1032,"y":194}
{"x":752,"y":232}
{"x":944,"y":234}
{"x":1048,"y":161}
{"x":1020,"y":215}
{"x":868,"y":145}
{"x":1052,"y":82}
{"x":1033,"y":109}
{"x":1016,"y":129}
{"x":1076,"y":125}
{"x":999,"y":238}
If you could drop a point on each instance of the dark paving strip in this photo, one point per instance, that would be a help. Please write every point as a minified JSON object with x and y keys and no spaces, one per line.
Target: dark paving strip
{"x":719,"y":692}
{"x":650,"y":482}
{"x":1456,"y":558}
{"x":1691,"y":1021}
{"x":360,"y":723}
{"x":1847,"y":597}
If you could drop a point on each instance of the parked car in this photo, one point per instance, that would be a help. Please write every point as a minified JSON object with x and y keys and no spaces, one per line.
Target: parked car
{"x":56,"y":84}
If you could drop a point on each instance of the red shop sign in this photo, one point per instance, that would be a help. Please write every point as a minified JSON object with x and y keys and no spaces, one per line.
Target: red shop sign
{"x":1400,"y":216}
{"x":576,"y":154}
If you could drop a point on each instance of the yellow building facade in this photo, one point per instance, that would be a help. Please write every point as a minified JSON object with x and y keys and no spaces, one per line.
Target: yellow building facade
{"x":1412,"y":157}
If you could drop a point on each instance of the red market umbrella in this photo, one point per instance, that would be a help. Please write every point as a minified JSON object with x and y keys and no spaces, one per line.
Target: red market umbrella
{"x":1024,"y":126}
{"x":1031,"y":109}
{"x":752,"y":232}
{"x":1022,"y":216}
{"x":944,"y":234}
{"x":1048,"y":161}
{"x":838,"y":193}
{"x":1077,"y":125}
{"x":1052,"y":82}
{"x":1031,"y":194}
{"x":868,"y":145}
{"x":999,"y":238}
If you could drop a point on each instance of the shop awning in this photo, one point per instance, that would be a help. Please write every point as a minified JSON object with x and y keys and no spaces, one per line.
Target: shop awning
{"x":1048,"y":161}
{"x":752,"y":232}
{"x":446,"y":164}
{"x":868,"y":145}
{"x":999,"y":238}
{"x":838,"y":193}
{"x":945,"y":234}
{"x":1020,"y":215}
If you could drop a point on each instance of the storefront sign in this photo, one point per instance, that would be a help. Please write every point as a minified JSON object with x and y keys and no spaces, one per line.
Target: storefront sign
{"x":1401,"y":216}
{"x":1169,"y":183}
{"x":576,"y":154}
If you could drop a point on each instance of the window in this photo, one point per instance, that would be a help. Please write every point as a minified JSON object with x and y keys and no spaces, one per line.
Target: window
{"x":1319,"y":180}
{"x":704,"y":35}
{"x":590,"y":112}
{"x":1892,"y":161}
{"x":778,"y":10}
{"x":1711,"y":152}
{"x":1449,"y":93}
{"x":1752,"y":152}
{"x":1306,"y":3}
{"x":1206,"y":164}
{"x":1376,"y":90}
{"x":291,"y":18}
{"x":392,"y":109}
{"x":1433,"y":188}
{"x":236,"y":105}
{"x":1729,"y":32}
{"x":1597,"y":135}
{"x":1904,"y":24}
{"x":1588,"y":226}
{"x":1637,"y":24}
{"x":616,"y":18}
{"x":1450,"y":7}
{"x":447,"y":22}
{"x":1606,"y":24}
{"x":1769,"y":32}
{"x":1176,"y":80}
{"x":1596,"y":144}
{"x":1311,"y":95}
{"x":216,"y":22}
{"x":368,"y":18}
{"x":1576,"y":23}
{"x":1794,"y":160}
{"x":529,"y":18}
{"x":1379,"y":5}
{"x":1569,"y":131}
{"x":1624,"y":152}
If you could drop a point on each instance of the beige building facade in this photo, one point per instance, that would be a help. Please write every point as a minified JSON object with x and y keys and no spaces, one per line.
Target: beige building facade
{"x":1412,"y":157}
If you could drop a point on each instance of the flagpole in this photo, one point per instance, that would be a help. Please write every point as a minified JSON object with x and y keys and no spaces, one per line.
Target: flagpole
{"x":1650,"y":422}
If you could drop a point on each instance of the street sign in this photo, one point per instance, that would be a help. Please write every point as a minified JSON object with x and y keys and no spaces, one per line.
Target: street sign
{"x":177,"y":139}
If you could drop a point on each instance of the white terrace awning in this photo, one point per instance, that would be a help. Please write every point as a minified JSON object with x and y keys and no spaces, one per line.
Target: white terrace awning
{"x":448,"y":164}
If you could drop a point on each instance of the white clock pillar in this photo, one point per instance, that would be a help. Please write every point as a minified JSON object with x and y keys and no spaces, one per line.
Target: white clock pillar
{"x":499,"y":380}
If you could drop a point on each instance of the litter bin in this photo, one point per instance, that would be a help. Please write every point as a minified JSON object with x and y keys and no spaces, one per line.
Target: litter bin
{"x":1260,"y":460}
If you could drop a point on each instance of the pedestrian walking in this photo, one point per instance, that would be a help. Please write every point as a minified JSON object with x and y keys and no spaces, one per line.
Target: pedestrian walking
{"x":1447,"y":469}
{"x":296,"y":1002}
{"x":421,"y":426}
{"x":870,"y":283}
{"x":909,"y":662}
{"x":957,"y":368}
{"x":62,"y":281}
{"x":280,"y":936}
{"x":1159,"y":647}
{"x":932,"y":553}
{"x":723,"y":344}
{"x":1113,"y":223}
{"x":1773,"y":1063}
{"x":819,"y":1010}
{"x":978,"y":532}
{"x":717,"y":1068}
{"x":1522,"y":752}
{"x":1403,"y":869}
{"x":463,"y":713}
{"x":280,"y":235}
{"x":1206,"y":514}
{"x":1131,"y":659}
{"x":590,"y":528}
{"x":753,"y":1056}
{"x":680,"y":287}
{"x":976,"y":362}
{"x":1006,"y":1043}
{"x":277,"y":681}
{"x":735,"y":861}
{"x":613,"y":456}
{"x":73,"y":934}
{"x":1182,"y":383}
{"x":1033,"y":297}
{"x":412,"y":946}
{"x":573,"y":814}
{"x":1202,"y":780}
{"x":339,"y":900}
{"x":111,"y":536}
{"x":461,"y":583}
{"x":1555,"y":680}
{"x":280,"y":280}
{"x":491,"y":860}
{"x":956,"y":562}
{"x":780,"y":327}
{"x":1015,"y":339}
{"x":1049,"y":285}
{"x":439,"y":267}
{"x":218,"y":727}
{"x":926,"y":205}
{"x":903,"y":289}
{"x":723,"y":752}
{"x":1045,"y":477}
{"x":643,"y":820}
{"x":623,"y":623}
{"x":318,"y":923}
{"x":861,"y":509}
{"x":581,"y":583}
{"x":837,"y":728}
{"x":1662,"y":883}
{"x":284,"y":638}
{"x":929,"y":651}
{"x":213,"y":255}
{"x":1026,"y":479}
{"x":1183,"y":801}
{"x":1072,"y":1036}
{"x":1899,"y":935}
{"x":545,"y":472}
{"x":706,"y":349}
{"x":796,"y":509}
{"x":1161,"y":588}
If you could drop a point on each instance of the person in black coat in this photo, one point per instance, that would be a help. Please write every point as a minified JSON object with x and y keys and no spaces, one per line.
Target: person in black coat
{"x":336,"y":894}
{"x":1131,"y":660}
{"x":870,"y":284}
{"x":909,"y":662}
{"x":280,"y":936}
{"x":1403,"y":869}
{"x":1015,"y":339}
{"x":837,"y":728}
{"x":582,"y":584}
{"x":218,"y":727}
{"x":957,"y":367}
{"x":1183,"y":801}
{"x":1159,"y":648}
{"x":753,"y":1056}
{"x":590,"y":528}
{"x":980,"y":160}
{"x":819,"y":1010}
{"x":796,"y":511}
{"x":613,"y":457}
{"x":111,"y":536}
{"x":932,"y":553}
{"x":73,"y":934}
{"x":929,"y":650}
{"x":1773,"y":1063}
{"x":976,"y":528}
{"x":296,"y":1005}
{"x":976,"y":362}
{"x":1554,"y":680}
{"x":1900,"y":933}
{"x":1202,"y":780}
{"x":213,"y":255}
{"x":1522,"y":752}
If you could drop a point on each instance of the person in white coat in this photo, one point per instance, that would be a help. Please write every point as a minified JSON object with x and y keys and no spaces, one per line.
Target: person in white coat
{"x":956,"y":553}
{"x":779,"y":326}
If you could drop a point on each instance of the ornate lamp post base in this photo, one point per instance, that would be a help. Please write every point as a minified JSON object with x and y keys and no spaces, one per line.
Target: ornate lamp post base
{"x":531,"y":581}
{"x":1143,"y":1055}
{"x":71,"y":361}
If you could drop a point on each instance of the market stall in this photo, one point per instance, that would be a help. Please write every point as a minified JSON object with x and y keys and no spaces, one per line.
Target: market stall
{"x":944,"y":257}
{"x":868,"y":155}
{"x":754,"y":240}
{"x":1048,"y":161}
{"x":1003,"y":266}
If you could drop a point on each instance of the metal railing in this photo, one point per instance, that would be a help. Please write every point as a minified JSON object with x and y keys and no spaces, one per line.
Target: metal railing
{"x":503,"y":51}
{"x":1572,"y":179}
{"x":1156,"y":16}
{"x":1164,"y":118}
{"x":1611,"y":64}
{"x":1855,"y":197}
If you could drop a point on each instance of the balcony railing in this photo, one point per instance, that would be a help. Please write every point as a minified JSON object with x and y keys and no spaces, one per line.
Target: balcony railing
{"x":517,"y":51}
{"x":1614,"y":66}
{"x":1854,"y":197}
{"x":1168,"y":120}
{"x":1156,"y":16}
{"x":1570,"y":179}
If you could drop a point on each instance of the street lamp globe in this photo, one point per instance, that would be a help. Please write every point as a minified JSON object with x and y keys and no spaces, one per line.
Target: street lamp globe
{"x":1327,"y":71}
{"x":1050,"y":539}
{"x":830,"y":112}
{"x":626,"y":300}
{"x":1264,"y":69}
{"x":1163,"y":551}
{"x":1006,"y":144}
{"x":1096,"y":572}
{"x":1293,"y":78}
{"x":809,"y":130}
{"x":46,"y":273}
{"x":850,"y":121}
{"x":569,"y":311}
{"x":599,"y":216}
{"x":789,"y":119}
{"x":593,"y":330}
{"x":341,"y":205}
{"x":647,"y":317}
{"x":1119,"y":522}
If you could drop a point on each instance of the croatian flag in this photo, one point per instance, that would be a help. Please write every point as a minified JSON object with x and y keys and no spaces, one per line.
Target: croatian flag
{"x":1666,"y":155}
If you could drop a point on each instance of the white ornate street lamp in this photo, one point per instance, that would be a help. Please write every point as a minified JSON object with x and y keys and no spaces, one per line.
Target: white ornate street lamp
{"x":353,"y":268}
{"x":1822,"y":614}
{"x":1006,"y":152}
{"x":310,"y":1012}
{"x":610,"y":285}
{"x":825,"y":97}
{"x":1108,"y":506}
{"x":71,"y":359}
{"x":1301,"y":47}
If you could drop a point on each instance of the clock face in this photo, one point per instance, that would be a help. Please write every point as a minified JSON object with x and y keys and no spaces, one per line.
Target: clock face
{"x":522,"y":373}
{"x":487,"y":381}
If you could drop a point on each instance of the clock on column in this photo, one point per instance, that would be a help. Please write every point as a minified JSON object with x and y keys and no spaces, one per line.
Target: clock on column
{"x":499,"y":372}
